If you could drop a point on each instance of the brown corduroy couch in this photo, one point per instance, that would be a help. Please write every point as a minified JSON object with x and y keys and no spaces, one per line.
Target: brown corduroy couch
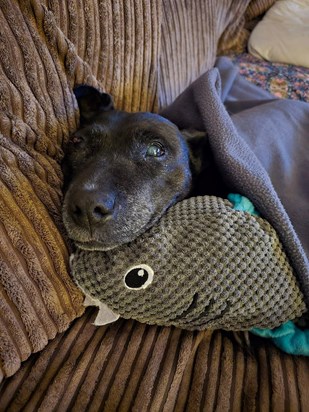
{"x":51,"y":356}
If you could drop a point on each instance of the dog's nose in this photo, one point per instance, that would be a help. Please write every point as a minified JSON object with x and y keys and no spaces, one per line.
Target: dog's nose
{"x":91,"y":208}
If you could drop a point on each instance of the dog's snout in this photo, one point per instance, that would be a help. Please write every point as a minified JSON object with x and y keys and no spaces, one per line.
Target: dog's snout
{"x":89,"y":208}
{"x":100,"y":211}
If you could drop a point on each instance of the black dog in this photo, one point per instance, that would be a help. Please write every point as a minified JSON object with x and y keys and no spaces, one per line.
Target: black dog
{"x":122,"y":172}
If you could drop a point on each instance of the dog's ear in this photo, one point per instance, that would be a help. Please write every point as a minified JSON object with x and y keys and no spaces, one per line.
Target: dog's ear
{"x":207,"y":178}
{"x":91,"y":102}
{"x":199,"y":149}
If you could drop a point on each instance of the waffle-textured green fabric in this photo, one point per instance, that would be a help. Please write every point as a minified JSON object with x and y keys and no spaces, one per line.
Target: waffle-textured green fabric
{"x":204,"y":265}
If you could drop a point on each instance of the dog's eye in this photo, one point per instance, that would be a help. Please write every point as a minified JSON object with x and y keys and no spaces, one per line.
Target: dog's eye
{"x":76,"y":139}
{"x":156,"y":149}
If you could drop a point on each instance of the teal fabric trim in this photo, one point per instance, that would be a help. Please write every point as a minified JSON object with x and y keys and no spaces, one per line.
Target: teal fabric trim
{"x":287,"y":337}
{"x":242,"y":204}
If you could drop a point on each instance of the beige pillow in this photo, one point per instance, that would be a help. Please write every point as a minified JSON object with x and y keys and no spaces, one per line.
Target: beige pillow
{"x":283,"y":34}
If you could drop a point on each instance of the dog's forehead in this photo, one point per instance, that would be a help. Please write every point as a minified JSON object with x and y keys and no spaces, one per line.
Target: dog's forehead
{"x":150,"y":119}
{"x":118,"y":121}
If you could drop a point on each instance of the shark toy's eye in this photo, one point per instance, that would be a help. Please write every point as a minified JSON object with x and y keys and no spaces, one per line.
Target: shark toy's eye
{"x":156,"y":149}
{"x":138,"y":277}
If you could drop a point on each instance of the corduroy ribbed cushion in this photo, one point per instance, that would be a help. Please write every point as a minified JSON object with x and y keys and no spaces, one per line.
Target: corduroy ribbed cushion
{"x":39,"y":68}
{"x":193,"y":32}
{"x":128,"y":366}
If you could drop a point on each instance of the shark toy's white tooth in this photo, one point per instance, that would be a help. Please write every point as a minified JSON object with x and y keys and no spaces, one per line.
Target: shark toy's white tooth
{"x":71,"y":258}
{"x":105,"y":315}
{"x":90,"y":301}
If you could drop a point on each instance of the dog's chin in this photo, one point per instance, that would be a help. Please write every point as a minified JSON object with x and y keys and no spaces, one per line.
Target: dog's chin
{"x":94,"y":245}
{"x":109,"y":242}
{"x":113,"y":237}
{"x":105,"y":245}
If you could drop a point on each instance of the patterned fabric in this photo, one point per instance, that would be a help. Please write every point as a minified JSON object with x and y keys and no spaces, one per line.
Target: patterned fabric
{"x":284,"y":81}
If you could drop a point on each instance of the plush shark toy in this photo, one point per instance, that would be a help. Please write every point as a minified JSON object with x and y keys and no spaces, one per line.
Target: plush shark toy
{"x":203,"y":265}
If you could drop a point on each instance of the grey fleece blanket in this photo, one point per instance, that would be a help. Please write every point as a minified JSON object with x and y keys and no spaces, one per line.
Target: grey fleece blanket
{"x":261,"y":145}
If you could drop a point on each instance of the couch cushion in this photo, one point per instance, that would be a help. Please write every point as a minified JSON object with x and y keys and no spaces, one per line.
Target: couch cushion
{"x":119,"y":40}
{"x":193,"y":32}
{"x":39,"y":67}
{"x":283,"y":34}
{"x":130,"y":366}
{"x":37,"y":297}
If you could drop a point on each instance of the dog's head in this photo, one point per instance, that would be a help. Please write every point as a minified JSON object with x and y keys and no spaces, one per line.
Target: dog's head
{"x":122,"y":172}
